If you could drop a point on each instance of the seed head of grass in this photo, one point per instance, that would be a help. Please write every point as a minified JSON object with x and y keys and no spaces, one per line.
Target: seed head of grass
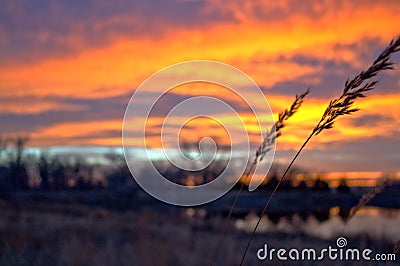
{"x":368,"y":197}
{"x":396,"y":248}
{"x":272,"y":134}
{"x":356,"y":88}
{"x":343,"y":105}
{"x":275,"y":131}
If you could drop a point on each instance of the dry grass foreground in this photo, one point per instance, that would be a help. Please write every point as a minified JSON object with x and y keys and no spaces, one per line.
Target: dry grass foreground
{"x":55,"y":234}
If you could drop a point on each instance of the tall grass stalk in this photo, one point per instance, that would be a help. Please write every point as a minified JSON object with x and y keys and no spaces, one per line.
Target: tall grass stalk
{"x":272,"y":134}
{"x":396,"y":248}
{"x":364,"y":201}
{"x":367,"y":198}
{"x":343,"y":105}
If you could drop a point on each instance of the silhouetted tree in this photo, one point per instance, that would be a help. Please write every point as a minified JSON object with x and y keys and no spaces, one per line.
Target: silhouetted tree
{"x":47,"y":166}
{"x":60,"y":174}
{"x":343,"y":187}
{"x":17,"y":167}
{"x":3,"y":145}
{"x":83,"y":174}
{"x":321,"y":185}
{"x":4,"y":187}
{"x":120,"y":175}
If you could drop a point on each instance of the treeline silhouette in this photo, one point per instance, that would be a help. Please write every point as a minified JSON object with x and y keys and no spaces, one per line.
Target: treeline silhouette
{"x":22,"y":171}
{"x":292,"y":181}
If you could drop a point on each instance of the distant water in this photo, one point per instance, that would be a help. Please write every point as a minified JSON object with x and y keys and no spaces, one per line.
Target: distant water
{"x":377,"y":223}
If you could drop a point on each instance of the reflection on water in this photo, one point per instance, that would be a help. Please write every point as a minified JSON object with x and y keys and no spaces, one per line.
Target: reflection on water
{"x":377,"y":223}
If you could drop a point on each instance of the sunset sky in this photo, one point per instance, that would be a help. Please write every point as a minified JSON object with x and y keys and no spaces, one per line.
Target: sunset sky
{"x":69,"y":68}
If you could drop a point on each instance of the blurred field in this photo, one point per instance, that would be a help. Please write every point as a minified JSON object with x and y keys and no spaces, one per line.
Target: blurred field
{"x":53,"y":234}
{"x":75,"y":234}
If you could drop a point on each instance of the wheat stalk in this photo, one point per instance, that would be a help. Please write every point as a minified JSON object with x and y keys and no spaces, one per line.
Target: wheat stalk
{"x":276,"y":128}
{"x":367,"y":198}
{"x":356,"y":88}
{"x":343,"y":105}
{"x":269,"y":140}
{"x":396,"y":248}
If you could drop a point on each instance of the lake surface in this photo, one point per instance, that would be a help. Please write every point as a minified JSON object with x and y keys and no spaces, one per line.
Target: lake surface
{"x":376,"y":223}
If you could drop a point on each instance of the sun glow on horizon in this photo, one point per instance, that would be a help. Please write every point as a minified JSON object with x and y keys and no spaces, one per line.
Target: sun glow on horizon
{"x":71,"y":89}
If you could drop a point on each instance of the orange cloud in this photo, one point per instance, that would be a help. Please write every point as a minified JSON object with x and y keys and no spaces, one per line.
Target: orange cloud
{"x":73,"y":131}
{"x":123,"y":64}
{"x":261,"y":38}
